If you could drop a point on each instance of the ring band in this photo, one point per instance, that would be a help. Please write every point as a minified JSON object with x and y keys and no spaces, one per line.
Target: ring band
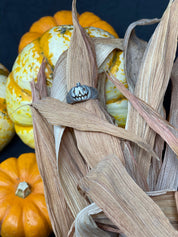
{"x":80,"y":93}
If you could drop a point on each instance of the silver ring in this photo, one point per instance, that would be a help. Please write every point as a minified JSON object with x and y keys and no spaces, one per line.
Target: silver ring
{"x":80,"y":93}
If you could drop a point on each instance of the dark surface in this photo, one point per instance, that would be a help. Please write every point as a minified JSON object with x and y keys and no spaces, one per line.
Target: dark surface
{"x":16,"y":16}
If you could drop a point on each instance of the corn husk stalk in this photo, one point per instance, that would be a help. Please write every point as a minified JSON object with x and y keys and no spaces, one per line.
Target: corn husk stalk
{"x":123,"y":201}
{"x":46,"y":159}
{"x":99,"y":173}
{"x":168,"y":178}
{"x":134,"y":49}
{"x":153,"y":77}
{"x":167,"y":202}
{"x":90,"y":228}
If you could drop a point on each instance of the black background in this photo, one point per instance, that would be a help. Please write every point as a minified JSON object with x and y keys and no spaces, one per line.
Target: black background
{"x":16,"y":17}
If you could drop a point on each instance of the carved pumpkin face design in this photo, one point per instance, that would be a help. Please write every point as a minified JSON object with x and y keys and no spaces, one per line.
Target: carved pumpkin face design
{"x":80,"y":92}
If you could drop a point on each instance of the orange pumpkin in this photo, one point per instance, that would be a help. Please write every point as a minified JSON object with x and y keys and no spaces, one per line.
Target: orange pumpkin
{"x":45,"y":23}
{"x":23,"y":211}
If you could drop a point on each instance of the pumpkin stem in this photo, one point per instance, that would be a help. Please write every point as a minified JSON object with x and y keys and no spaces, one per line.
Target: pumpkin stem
{"x":23,"y":190}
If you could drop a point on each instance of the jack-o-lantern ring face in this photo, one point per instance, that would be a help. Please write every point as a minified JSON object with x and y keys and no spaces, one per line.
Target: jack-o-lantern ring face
{"x":81,"y":93}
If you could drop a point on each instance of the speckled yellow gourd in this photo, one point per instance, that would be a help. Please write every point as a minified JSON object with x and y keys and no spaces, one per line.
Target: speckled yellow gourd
{"x":6,"y":125}
{"x":51,"y":45}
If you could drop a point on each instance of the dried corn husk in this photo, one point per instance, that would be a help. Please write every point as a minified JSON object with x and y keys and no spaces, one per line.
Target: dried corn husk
{"x":71,"y":168}
{"x":59,"y":91}
{"x":89,"y":228}
{"x":84,"y":70}
{"x":65,"y":185}
{"x":123,"y":202}
{"x":83,"y":120}
{"x":153,"y":119}
{"x":119,"y":170}
{"x":153,"y":78}
{"x":46,"y":159}
{"x":168,"y":178}
{"x":167,"y":203}
{"x":134,"y":49}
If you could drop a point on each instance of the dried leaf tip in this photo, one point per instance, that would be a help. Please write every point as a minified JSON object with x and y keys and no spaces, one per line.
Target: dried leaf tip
{"x":84,"y":68}
{"x":39,"y":89}
{"x":154,"y":120}
{"x":74,"y":13}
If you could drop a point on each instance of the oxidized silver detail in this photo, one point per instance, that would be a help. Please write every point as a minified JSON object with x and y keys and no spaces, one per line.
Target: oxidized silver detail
{"x":81,"y":93}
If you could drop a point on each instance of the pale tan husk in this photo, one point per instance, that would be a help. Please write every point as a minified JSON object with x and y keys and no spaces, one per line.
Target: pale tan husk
{"x":99,"y":179}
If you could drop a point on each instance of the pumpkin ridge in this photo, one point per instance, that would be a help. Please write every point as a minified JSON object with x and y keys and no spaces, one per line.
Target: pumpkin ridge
{"x":45,"y":57}
{"x":14,"y":86}
{"x":27,"y":38}
{"x":6,"y":195}
{"x":6,"y":171}
{"x":21,"y":130}
{"x":20,"y":98}
{"x":88,"y":25}
{"x":25,"y":91}
{"x":117,"y":99}
{"x":63,"y":17}
{"x":34,"y":179}
{"x":8,"y":208}
{"x":23,"y":222}
{"x":43,"y":52}
{"x":43,"y":24}
{"x":32,"y":173}
{"x":93,"y":23}
{"x":55,"y":19}
{"x":40,"y":213}
{"x":37,"y":180}
{"x":8,"y":175}
{"x":8,"y":214}
{"x":5,"y":214}
{"x":25,"y":164}
{"x":6,"y":125}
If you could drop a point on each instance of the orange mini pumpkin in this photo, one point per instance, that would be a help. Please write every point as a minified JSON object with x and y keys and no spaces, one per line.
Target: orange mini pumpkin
{"x":23,"y":211}
{"x":64,"y":17}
